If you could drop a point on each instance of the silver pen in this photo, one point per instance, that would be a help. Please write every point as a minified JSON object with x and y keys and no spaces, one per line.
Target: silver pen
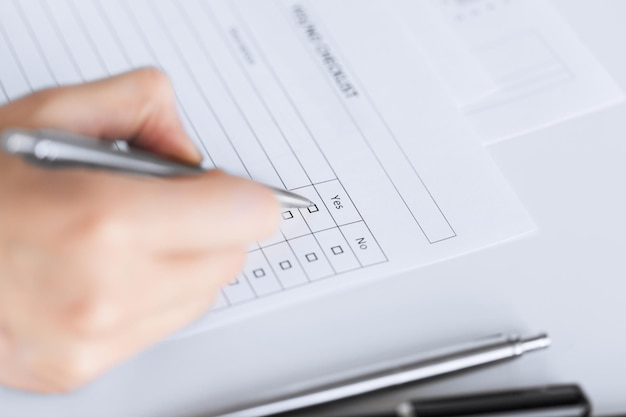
{"x":437,"y":363}
{"x":58,"y":149}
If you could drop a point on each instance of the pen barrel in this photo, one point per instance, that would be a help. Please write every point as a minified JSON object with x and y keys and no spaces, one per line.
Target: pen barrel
{"x":64,"y":150}
{"x":557,"y":401}
{"x":437,"y":363}
{"x":479,"y":353}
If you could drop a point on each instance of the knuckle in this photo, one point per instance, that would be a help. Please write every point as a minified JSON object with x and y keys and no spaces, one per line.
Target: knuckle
{"x":91,"y":314}
{"x":78,"y":367}
{"x":155,"y":82}
{"x":102,"y":229}
{"x":65,"y":369}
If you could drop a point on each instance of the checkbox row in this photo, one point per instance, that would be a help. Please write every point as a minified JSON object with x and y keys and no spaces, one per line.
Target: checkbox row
{"x":286,"y":265}
{"x":288,"y":215}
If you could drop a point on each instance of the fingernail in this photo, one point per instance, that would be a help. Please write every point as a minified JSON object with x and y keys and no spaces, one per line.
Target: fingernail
{"x":193,"y":153}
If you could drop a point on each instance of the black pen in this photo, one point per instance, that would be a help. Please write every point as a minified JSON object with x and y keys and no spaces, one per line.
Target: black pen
{"x":436,"y":363}
{"x":549,"y":401}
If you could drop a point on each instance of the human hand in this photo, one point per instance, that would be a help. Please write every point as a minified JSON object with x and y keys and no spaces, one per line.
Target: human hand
{"x":96,"y":266}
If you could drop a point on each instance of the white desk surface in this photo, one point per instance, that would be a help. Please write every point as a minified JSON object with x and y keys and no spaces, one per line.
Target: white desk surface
{"x":568,"y":279}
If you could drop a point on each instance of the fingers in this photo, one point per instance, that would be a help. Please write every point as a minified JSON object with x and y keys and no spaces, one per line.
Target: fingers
{"x":138,"y":105}
{"x":74,"y":366}
{"x":112,"y":212}
{"x":214,"y":210}
{"x":209,"y":211}
{"x":105,"y":304}
{"x":58,"y":352}
{"x":194,"y":277}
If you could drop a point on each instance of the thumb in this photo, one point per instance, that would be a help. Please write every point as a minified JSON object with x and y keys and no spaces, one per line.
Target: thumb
{"x":138,"y":106}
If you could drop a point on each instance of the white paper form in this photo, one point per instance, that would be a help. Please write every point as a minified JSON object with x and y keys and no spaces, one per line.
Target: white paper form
{"x":300,"y":95}
{"x":544,"y":73}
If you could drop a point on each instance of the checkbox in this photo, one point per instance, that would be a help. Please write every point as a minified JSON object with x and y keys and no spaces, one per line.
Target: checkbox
{"x":337,"y":250}
{"x":259,"y":273}
{"x":285,"y":265}
{"x":287,"y":215}
{"x":311,"y":257}
{"x":313,"y":208}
